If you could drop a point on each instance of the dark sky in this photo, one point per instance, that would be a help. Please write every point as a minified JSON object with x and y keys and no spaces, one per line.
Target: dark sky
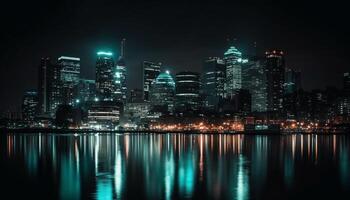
{"x":314,"y":35}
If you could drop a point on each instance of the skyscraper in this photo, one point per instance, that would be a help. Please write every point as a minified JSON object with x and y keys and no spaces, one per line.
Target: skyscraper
{"x":49,"y":86}
{"x":70,"y":73}
{"x":43,"y":85}
{"x":292,"y":81}
{"x":254,"y":80}
{"x":30,"y":106}
{"x":136,"y":96}
{"x":213,"y":78}
{"x":233,"y":59}
{"x":105,"y":74}
{"x":187,"y":91}
{"x":150,"y":73}
{"x":85,"y":91}
{"x":162,"y":92}
{"x":274,"y":70}
{"x":120,"y":81}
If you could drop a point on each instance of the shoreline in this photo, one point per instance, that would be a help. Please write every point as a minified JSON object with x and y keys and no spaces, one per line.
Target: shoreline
{"x":88,"y":131}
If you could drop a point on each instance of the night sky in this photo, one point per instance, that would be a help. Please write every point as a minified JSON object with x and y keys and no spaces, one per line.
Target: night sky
{"x":315,"y":36}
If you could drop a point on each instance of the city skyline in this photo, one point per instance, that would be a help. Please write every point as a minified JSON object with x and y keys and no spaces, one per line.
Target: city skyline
{"x":309,"y":38}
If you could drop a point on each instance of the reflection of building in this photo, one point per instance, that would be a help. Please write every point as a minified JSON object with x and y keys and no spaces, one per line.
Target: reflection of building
{"x":274,"y":70}
{"x":136,"y":96}
{"x":30,"y":105}
{"x":162,"y":92}
{"x":150,"y":73}
{"x":213,"y":81}
{"x":105,"y":73}
{"x":233,"y":59}
{"x":292,"y":81}
{"x":187,"y":91}
{"x":104,"y":115}
{"x":254,"y":80}
{"x":69,"y":76}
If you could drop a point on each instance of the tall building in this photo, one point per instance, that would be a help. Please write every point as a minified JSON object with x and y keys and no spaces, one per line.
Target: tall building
{"x":120,"y":81}
{"x":292,"y":81}
{"x":49,"y":86}
{"x":105,"y":74}
{"x":104,"y":115}
{"x":213,"y":78}
{"x":70,"y":73}
{"x":187,"y":91}
{"x":136,"y":96}
{"x":162,"y":92}
{"x":254,"y":80}
{"x":85,"y":91}
{"x":30,"y":106}
{"x":43,"y":85}
{"x":150,"y":73}
{"x":233,"y":61}
{"x":274,"y":70}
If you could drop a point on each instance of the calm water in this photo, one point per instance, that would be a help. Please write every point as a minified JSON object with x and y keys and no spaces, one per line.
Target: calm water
{"x":174,"y":166}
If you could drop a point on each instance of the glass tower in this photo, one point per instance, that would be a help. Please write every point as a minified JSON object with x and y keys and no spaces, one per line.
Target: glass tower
{"x":233,"y":59}
{"x":151,"y":71}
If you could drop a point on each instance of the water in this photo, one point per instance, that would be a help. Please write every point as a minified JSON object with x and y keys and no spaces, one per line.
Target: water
{"x":174,"y":166}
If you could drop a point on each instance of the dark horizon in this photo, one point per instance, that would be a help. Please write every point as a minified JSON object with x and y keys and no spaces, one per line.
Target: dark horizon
{"x":179,"y":35}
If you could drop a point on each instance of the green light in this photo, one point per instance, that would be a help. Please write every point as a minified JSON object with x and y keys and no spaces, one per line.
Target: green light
{"x":103,"y":53}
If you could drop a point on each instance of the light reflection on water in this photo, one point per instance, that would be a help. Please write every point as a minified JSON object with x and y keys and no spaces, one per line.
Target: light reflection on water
{"x":168,"y":166}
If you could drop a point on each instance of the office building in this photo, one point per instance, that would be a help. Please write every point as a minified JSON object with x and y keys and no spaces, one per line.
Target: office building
{"x":151,"y":71}
{"x":187,"y":91}
{"x":69,"y":76}
{"x":104,"y":115}
{"x":136,"y":96}
{"x":30,"y":106}
{"x":162,"y":92}
{"x":274,"y":70}
{"x":105,"y":74}
{"x":292,"y":81}
{"x":213,"y":80}
{"x":233,"y":63}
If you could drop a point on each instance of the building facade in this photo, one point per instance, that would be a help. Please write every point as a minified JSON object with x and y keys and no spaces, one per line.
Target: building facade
{"x":69,"y":76}
{"x":105,"y":75}
{"x":30,"y":105}
{"x":187,"y":97}
{"x":151,"y":71}
{"x":233,"y":59}
{"x":213,"y":79}
{"x":274,"y":70}
{"x":162,"y":92}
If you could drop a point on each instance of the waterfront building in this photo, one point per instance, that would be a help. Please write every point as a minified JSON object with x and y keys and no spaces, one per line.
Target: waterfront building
{"x":104,"y":115}
{"x":30,"y":106}
{"x":254,"y":80}
{"x":162,"y":92}
{"x":105,"y":75}
{"x":233,"y":63}
{"x":151,"y":71}
{"x":239,"y":103}
{"x":135,"y":112}
{"x":187,"y":95}
{"x":274,"y":70}
{"x":69,"y":76}
{"x":213,"y":80}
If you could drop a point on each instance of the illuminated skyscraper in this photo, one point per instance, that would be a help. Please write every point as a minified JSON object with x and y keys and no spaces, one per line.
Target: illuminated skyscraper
{"x":136,"y":96}
{"x":162,"y":92}
{"x":49,"y":86}
{"x":187,"y":91}
{"x":150,"y":73}
{"x":30,"y":105}
{"x":120,"y":81}
{"x":70,"y":73}
{"x":274,"y":70}
{"x":254,"y":80}
{"x":213,"y":78}
{"x":105,"y":74}
{"x":43,"y":85}
{"x":85,"y":91}
{"x":233,"y":61}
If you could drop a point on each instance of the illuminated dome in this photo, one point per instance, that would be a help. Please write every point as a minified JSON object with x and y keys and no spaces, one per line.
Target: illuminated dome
{"x":165,"y":79}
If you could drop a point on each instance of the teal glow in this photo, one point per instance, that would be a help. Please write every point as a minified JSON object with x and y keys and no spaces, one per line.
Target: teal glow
{"x":69,"y":180}
{"x":233,"y":50}
{"x":169,"y":176}
{"x":242,"y":189}
{"x":104,"y":53}
{"x":186,"y":176}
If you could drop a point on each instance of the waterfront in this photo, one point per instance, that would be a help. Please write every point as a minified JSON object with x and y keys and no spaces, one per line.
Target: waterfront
{"x":174,"y":166}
